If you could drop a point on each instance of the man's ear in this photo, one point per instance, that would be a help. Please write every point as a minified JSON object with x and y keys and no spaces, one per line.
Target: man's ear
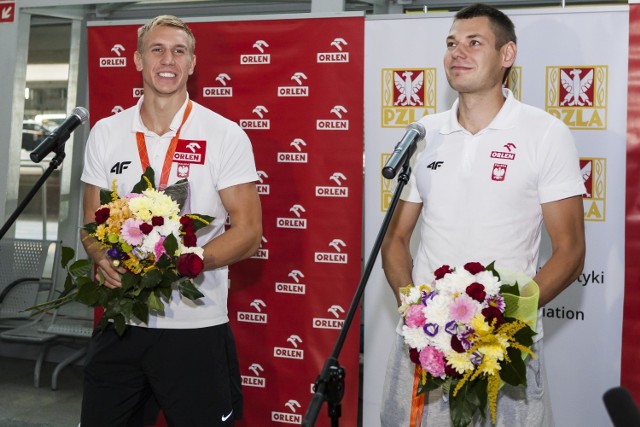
{"x":137,"y":59}
{"x":508,"y":51}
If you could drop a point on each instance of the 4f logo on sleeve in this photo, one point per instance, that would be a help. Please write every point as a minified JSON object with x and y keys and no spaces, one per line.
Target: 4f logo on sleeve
{"x":407,"y":95}
{"x":577,"y":95}
{"x":190,"y":151}
{"x":118,"y":167}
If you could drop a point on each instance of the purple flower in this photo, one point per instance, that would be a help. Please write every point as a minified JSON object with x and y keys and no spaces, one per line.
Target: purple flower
{"x":476,"y":358}
{"x":431,"y":329}
{"x":115,"y":253}
{"x":451,"y":327}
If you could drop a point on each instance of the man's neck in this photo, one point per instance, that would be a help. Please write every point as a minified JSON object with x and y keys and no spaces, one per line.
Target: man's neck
{"x":476,"y":111}
{"x":158,"y":112}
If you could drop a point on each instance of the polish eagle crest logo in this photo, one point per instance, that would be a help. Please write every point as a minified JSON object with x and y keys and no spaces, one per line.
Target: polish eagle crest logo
{"x":576,"y":87}
{"x":408,"y":88}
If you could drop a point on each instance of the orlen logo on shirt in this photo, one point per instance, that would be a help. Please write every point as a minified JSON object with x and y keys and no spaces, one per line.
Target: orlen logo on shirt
{"x":190,"y":151}
{"x":114,"y":61}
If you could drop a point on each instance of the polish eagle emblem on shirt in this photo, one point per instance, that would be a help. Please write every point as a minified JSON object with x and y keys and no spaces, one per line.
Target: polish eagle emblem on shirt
{"x":576,"y":87}
{"x":408,"y":88}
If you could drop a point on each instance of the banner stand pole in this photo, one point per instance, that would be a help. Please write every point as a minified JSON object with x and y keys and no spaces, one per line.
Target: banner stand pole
{"x":53,"y":165}
{"x":329,"y":384}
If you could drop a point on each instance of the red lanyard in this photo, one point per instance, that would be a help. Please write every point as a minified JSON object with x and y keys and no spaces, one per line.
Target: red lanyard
{"x":168,"y":159}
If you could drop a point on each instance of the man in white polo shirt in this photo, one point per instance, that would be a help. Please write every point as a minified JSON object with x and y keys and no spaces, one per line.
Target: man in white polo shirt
{"x":186,"y":358}
{"x":492,"y":171}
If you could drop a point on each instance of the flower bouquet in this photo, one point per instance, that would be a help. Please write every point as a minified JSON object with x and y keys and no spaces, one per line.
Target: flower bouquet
{"x":469,"y":333}
{"x":144,"y":233}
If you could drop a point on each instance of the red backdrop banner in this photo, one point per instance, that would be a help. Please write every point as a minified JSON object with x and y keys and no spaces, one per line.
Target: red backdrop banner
{"x":631,"y":323}
{"x":296,"y":87}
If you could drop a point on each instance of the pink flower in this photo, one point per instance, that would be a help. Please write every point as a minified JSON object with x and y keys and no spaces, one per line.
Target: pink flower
{"x":131,"y":232}
{"x":462,"y":309}
{"x":158,"y":249}
{"x":432,"y":361}
{"x":415,"y":317}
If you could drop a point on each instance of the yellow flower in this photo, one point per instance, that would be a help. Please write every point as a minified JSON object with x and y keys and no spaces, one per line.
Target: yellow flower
{"x":459,"y":361}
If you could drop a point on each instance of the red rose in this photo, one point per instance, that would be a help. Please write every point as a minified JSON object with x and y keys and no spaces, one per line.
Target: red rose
{"x":414,"y":355}
{"x":190,"y":240}
{"x":189,"y":265}
{"x":456,"y":345}
{"x":474,"y":267}
{"x":476,"y":291}
{"x":146,"y":228}
{"x":186,"y":221}
{"x":439,"y":273}
{"x":102,"y":215}
{"x":490,"y":313}
{"x":157,"y":221}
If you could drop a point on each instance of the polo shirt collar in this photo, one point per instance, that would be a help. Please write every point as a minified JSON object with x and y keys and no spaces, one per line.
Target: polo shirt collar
{"x":505,"y":119}
{"x":138,"y":126}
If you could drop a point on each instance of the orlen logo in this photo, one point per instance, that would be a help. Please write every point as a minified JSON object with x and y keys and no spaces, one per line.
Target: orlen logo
{"x":262,"y":252}
{"x":117,"y":109}
{"x":259,"y":124}
{"x":330,"y":323}
{"x":259,"y":58}
{"x":263,"y":188}
{"x":334,"y":191}
{"x":594,"y":174}
{"x":138,"y":92}
{"x":577,"y":95}
{"x":295,"y":91}
{"x":254,"y":380}
{"x":254,"y":317}
{"x":288,"y":417}
{"x":334,"y":124}
{"x":514,"y":82}
{"x":336,"y":257}
{"x":297,"y":222}
{"x":298,"y":156}
{"x":338,"y":54}
{"x":114,"y":61}
{"x":407,"y":95}
{"x":223,"y":90}
{"x":292,"y":352}
{"x":292,"y":288}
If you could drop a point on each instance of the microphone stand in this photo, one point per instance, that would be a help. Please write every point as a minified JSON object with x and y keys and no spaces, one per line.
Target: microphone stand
{"x":53,"y":165}
{"x":329,"y":384}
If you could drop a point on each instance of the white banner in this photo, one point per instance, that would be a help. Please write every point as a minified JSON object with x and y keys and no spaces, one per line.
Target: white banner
{"x":583,"y":325}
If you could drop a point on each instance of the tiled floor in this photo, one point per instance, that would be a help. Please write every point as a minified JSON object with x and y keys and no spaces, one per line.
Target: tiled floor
{"x":23,"y":405}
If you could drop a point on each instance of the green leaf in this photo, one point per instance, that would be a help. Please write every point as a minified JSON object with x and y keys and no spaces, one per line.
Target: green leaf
{"x":143,"y":184}
{"x":68,"y":283}
{"x":141,"y":311}
{"x":178,"y":192}
{"x":431,"y":384}
{"x":119,"y":324}
{"x":90,"y":228}
{"x":105,"y":196}
{"x":155,"y":303}
{"x":164,"y":262}
{"x":129,"y":280}
{"x":188,"y":289}
{"x":463,"y":406}
{"x":513,"y":372}
{"x":525,"y":336}
{"x":510,"y":289}
{"x":492,"y":268}
{"x":67,"y":255}
{"x":170,"y":244}
{"x":151,"y":279}
{"x":87,"y":291}
{"x":198,"y":223}
{"x":80,"y":268}
{"x":166,"y":292}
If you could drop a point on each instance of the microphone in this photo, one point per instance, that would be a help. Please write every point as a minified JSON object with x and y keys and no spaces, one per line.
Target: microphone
{"x":621,"y":407}
{"x":404,"y":149}
{"x":59,"y":136}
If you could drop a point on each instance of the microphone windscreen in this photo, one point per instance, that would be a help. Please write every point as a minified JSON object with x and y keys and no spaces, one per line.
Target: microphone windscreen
{"x":621,"y":408}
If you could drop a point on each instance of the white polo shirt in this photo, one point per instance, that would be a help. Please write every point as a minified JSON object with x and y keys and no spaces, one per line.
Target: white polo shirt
{"x":482,"y":193}
{"x":213,"y":153}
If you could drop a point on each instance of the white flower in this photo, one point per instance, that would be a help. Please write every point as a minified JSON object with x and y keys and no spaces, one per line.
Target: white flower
{"x":415,"y":337}
{"x":490,"y":282}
